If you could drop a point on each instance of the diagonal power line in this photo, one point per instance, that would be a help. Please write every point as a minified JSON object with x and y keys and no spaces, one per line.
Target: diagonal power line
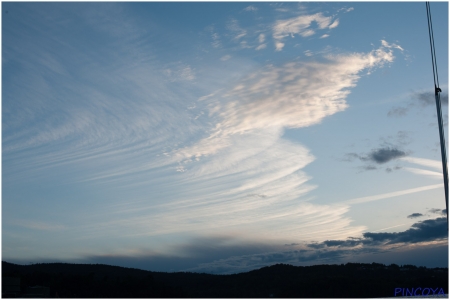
{"x":437,"y":91}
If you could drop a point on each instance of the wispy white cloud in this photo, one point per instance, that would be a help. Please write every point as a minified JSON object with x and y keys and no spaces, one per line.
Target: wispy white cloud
{"x":391,"y":45}
{"x":106,"y":111}
{"x":335,"y":24}
{"x":301,"y":25}
{"x":279,"y":46}
{"x":429,"y":173}
{"x":216,"y":40}
{"x":113,"y":20}
{"x":215,"y":37}
{"x":393,"y":194}
{"x":435,"y":164}
{"x":260,"y":47}
{"x":346,"y":10}
{"x":37,"y":225}
{"x":237,"y":31}
{"x":251,"y":8}
{"x":388,"y":227}
{"x":244,"y":45}
{"x":225,"y":57}
{"x":180,"y":72}
{"x":261,"y":38}
{"x":280,"y":9}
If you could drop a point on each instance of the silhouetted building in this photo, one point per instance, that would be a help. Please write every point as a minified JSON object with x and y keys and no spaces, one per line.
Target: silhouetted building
{"x":37,"y":291}
{"x":10,"y":287}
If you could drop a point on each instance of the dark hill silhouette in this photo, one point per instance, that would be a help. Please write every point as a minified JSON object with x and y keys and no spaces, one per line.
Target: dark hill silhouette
{"x":280,"y":281}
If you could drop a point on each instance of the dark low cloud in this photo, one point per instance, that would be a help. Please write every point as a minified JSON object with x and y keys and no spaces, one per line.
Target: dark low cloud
{"x":301,"y":257}
{"x":398,"y":111}
{"x":430,"y":256}
{"x":389,"y":170}
{"x":415,"y":215}
{"x":150,"y":262}
{"x":423,"y":99}
{"x":383,"y":155}
{"x":368,"y":168}
{"x":389,"y":149}
{"x":423,"y":231}
{"x":428,"y":98}
{"x":187,"y":256}
{"x":379,"y":156}
{"x":438,"y":211}
{"x":402,"y":137}
{"x":350,"y":157}
{"x":347,"y":243}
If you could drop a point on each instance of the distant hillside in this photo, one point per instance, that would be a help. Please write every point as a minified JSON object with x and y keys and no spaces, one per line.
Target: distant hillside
{"x":280,"y":281}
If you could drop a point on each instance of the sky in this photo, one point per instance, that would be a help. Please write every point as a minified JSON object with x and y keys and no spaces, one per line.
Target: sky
{"x":222,"y":137}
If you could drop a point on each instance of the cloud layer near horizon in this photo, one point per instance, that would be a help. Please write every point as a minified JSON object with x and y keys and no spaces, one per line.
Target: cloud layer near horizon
{"x":227,"y":255}
{"x":424,"y":243}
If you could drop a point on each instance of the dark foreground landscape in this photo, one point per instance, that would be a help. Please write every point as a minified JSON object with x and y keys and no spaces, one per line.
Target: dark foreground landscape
{"x":280,"y":281}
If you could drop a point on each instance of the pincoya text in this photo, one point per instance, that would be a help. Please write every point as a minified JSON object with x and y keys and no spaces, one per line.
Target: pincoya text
{"x":418,"y":291}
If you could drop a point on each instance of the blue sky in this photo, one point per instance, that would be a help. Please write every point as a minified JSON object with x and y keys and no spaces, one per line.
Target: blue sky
{"x":222,"y":137}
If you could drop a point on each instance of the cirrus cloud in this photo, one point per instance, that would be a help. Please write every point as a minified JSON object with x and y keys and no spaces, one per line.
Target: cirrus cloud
{"x":301,"y":25}
{"x":245,"y":141}
{"x":295,"y":95}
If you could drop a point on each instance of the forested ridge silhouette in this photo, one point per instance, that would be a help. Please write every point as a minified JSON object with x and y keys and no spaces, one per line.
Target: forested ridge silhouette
{"x":280,"y":281}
